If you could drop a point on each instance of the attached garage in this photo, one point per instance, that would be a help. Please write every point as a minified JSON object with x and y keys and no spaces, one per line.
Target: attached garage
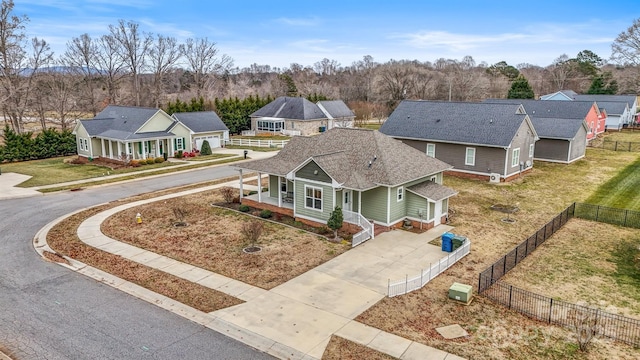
{"x":203,"y":125}
{"x":214,"y":141}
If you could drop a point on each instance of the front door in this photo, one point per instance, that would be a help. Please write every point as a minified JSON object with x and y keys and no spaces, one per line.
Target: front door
{"x":438,"y":213}
{"x":348,"y":200}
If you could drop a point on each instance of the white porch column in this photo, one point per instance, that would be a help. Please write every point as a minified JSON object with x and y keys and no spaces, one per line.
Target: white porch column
{"x":91,"y":148}
{"x":360,"y":202}
{"x":144,"y":149}
{"x":259,"y":187}
{"x":278,"y":192}
{"x":102,"y":145}
{"x":241,"y":192}
{"x":110,"y":149}
{"x":119,"y":150}
{"x":171,"y":149}
{"x":157,"y":147}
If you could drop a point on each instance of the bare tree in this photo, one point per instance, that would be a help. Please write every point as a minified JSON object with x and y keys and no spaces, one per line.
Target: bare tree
{"x":110,"y":65}
{"x":164,"y":54}
{"x":625,"y":50}
{"x":60,"y":84}
{"x":251,"y":231}
{"x":203,"y":61}
{"x":81,"y":59}
{"x":17,"y":66}
{"x":561,"y":70}
{"x":134,"y":47}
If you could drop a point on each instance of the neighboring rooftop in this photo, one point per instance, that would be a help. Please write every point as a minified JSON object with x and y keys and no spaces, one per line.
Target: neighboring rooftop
{"x":296,"y":108}
{"x":335,"y":109}
{"x":359,"y":159}
{"x":557,"y":128}
{"x":456,"y":122}
{"x":201,"y":121}
{"x":121,"y":123}
{"x":550,"y":109}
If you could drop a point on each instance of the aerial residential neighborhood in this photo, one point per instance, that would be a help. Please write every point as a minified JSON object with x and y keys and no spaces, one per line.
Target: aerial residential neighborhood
{"x":434,"y":181}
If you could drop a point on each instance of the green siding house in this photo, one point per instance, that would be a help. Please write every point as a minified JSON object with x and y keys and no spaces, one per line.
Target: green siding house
{"x":368,"y":174}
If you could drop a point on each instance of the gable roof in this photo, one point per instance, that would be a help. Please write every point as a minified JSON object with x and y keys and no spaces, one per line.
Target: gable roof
{"x":485,"y":124}
{"x":569,"y":94}
{"x":335,"y":109}
{"x":432,"y":191}
{"x":613,"y":107}
{"x":358,"y":159}
{"x":558,"y":128}
{"x":201,"y":121}
{"x":121,"y":123}
{"x":295,"y":108}
{"x":550,"y":109}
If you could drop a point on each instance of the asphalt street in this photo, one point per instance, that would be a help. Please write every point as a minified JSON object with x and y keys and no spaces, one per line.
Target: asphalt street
{"x":49,"y":312}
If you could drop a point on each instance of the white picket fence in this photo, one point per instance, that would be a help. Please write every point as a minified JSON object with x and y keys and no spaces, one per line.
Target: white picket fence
{"x":290,"y":132}
{"x":248,"y":133}
{"x":417,"y":282}
{"x":257,"y":143}
{"x":357,"y":219}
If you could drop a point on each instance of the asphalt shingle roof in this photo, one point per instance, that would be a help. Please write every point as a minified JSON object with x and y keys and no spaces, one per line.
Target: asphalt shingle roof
{"x":295,"y":108}
{"x":121,"y":123}
{"x":432,"y":191}
{"x":455,"y":122}
{"x":336,"y":108}
{"x":612,"y":107}
{"x":201,"y":121}
{"x":345,"y":154}
{"x":556,"y":128}
{"x":549,"y":108}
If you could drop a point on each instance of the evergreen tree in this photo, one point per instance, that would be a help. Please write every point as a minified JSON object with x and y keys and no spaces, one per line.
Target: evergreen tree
{"x":603,"y":84}
{"x":335,"y":220}
{"x":206,"y":148}
{"x":520,"y":89}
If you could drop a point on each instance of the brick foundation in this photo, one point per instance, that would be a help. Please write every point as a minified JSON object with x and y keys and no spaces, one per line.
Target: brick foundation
{"x":272,"y":208}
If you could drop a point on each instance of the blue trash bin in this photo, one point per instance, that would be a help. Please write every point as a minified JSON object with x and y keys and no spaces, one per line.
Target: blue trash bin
{"x":447,"y":242}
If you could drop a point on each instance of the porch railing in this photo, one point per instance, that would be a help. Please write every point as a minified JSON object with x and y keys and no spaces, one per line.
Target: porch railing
{"x":257,"y":143}
{"x":248,"y":133}
{"x":357,"y":219}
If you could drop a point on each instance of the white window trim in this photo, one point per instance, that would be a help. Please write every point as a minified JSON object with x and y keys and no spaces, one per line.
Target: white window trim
{"x":314,"y":188}
{"x":86,"y":144}
{"x":433,"y":150}
{"x":400,"y":194}
{"x":81,"y":144}
{"x":179,"y":144}
{"x":466,"y":157}
{"x":531,"y":150}
{"x":515,"y":160}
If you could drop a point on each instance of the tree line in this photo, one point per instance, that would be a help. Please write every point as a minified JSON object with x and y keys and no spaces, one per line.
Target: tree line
{"x":127,"y":66}
{"x":47,"y":144}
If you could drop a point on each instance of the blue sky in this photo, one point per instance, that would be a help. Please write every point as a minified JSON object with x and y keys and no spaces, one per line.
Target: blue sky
{"x":278,"y":33}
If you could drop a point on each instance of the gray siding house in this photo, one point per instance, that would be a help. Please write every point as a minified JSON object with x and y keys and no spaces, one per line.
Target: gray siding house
{"x":480,"y":140}
{"x":299,"y":116}
{"x":368,"y":174}
{"x":561,"y":126}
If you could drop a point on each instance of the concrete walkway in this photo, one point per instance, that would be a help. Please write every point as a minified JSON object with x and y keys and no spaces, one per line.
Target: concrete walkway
{"x":10,"y":190}
{"x":296,"y":319}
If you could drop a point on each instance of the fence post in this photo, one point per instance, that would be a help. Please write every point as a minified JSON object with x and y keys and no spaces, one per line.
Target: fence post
{"x":510,"y":292}
{"x":406,"y":283}
{"x":479,"y":283}
{"x":597,"y":211}
{"x":515,"y":262}
{"x":504,"y":265}
{"x":550,"y":309}
{"x":626,"y":212}
{"x":492,"y":273}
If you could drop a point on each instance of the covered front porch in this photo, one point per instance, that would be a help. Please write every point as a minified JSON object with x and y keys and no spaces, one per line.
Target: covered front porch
{"x":134,"y":149}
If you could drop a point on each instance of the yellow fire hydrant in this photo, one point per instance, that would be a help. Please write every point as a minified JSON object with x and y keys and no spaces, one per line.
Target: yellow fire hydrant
{"x":138,"y":218}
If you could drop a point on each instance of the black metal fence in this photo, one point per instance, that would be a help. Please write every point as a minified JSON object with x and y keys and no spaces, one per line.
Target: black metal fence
{"x":565,"y":314}
{"x":494,"y":272}
{"x":616,"y":145}
{"x":609,"y":215}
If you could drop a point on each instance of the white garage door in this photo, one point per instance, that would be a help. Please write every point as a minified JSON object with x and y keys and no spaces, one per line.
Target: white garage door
{"x":214,"y":141}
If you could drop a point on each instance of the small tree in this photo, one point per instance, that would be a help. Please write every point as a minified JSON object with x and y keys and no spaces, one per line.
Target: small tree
{"x":228,"y":193}
{"x":179,"y":214}
{"x":585,"y":325}
{"x":335,"y":221}
{"x":520,"y":89}
{"x":251,"y":231}
{"x":206,"y":148}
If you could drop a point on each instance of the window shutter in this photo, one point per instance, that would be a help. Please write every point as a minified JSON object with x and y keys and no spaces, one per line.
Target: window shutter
{"x":184,"y":144}
{"x":139,"y":148}
{"x":175,"y":144}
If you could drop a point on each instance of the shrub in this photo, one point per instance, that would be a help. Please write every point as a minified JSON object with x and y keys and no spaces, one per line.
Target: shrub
{"x":252,"y":192}
{"x":236,"y":199}
{"x":244,"y":208}
{"x":151,"y":161}
{"x":228,"y":194}
{"x":324,"y":230}
{"x":159,"y":160}
{"x":134,"y":163}
{"x":206,"y":148}
{"x":251,"y":231}
{"x":265,"y":214}
{"x":179,"y":154}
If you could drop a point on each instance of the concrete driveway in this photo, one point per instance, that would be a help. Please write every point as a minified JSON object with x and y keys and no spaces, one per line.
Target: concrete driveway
{"x":8,"y":189}
{"x":304,"y":312}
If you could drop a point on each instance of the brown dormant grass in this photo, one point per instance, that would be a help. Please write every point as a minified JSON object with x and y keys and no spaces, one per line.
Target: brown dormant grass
{"x":495,"y":332}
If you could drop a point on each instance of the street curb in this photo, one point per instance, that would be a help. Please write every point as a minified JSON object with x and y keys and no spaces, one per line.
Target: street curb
{"x":208,"y":320}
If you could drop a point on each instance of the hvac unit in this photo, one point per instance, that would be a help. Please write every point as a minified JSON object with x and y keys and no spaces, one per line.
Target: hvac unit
{"x":494,"y":178}
{"x":461,"y":292}
{"x":528,"y":164}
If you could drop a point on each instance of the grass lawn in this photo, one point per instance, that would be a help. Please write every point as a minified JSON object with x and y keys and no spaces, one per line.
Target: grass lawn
{"x":253,"y":148}
{"x":370,"y":126}
{"x":209,"y":157}
{"x":628,"y":136}
{"x":58,"y":170}
{"x":213,"y":240}
{"x":263,"y":137}
{"x":495,"y":332}
{"x":621,"y":191}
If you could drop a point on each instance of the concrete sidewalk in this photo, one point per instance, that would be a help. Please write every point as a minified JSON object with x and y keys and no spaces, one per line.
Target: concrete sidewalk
{"x":296,"y":319}
{"x":10,"y":190}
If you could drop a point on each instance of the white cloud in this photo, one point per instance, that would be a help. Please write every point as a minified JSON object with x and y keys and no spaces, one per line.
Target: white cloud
{"x":313,"y":21}
{"x":444,"y":39}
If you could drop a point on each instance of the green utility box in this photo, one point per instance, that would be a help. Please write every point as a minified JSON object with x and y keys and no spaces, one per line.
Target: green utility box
{"x":461,"y":292}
